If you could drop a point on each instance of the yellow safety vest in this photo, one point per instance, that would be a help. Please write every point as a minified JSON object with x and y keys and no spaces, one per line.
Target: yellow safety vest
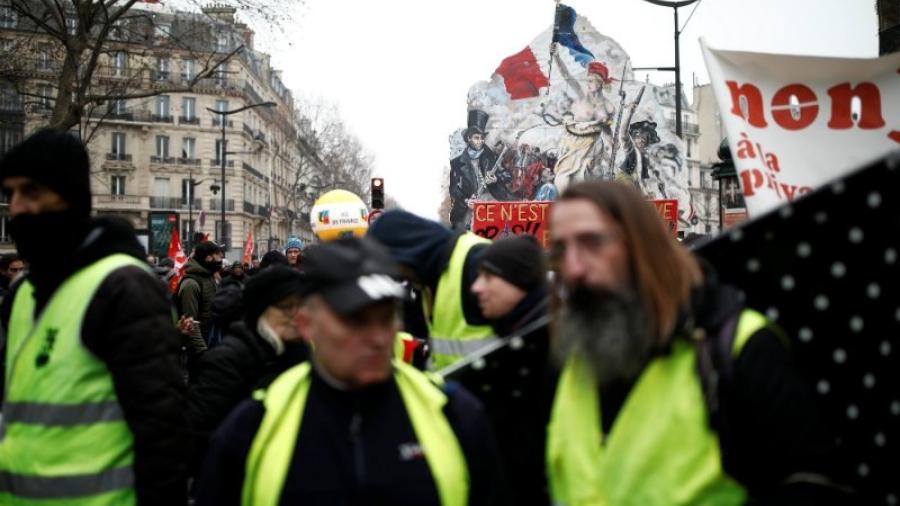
{"x":64,"y":440}
{"x":285,"y":400}
{"x":660,"y":451}
{"x":452,"y":338}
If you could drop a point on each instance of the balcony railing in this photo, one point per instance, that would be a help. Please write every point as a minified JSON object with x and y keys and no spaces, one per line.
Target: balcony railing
{"x":119,"y":199}
{"x":159,"y":118}
{"x":162,"y":75}
{"x":173,"y":203}
{"x":122,"y":157}
{"x":193,"y":120}
{"x":687,"y":127}
{"x":248,"y":130}
{"x":249,"y":208}
{"x":262,"y":210}
{"x":216,"y":204}
{"x":217,"y":123}
{"x":162,"y":159}
{"x":188,"y":161}
{"x":218,"y":163}
{"x":249,"y":168}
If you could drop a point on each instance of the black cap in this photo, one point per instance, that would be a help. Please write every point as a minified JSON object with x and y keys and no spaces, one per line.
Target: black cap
{"x":352,"y":273}
{"x":268,"y":287}
{"x":205,"y":249}
{"x":57,"y":160}
{"x":518,"y":260}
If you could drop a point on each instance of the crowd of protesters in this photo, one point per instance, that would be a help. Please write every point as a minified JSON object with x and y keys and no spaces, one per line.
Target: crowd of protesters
{"x":416,"y":365}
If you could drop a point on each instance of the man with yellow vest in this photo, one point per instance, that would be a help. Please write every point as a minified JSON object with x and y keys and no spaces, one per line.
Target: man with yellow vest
{"x":353,"y":425}
{"x":670,"y":392}
{"x":441,"y":265}
{"x":93,"y":392}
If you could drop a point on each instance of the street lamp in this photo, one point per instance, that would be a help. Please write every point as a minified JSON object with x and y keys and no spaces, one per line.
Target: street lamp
{"x":222,"y":115}
{"x":674,"y":4}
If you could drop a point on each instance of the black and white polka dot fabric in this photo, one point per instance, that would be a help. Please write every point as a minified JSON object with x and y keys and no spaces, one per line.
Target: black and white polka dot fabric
{"x":827,"y":269}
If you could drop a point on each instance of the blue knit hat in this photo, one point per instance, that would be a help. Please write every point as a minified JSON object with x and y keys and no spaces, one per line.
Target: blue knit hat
{"x":293,"y":242}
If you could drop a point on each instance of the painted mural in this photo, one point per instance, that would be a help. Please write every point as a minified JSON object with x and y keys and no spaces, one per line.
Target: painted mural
{"x":564,"y":109}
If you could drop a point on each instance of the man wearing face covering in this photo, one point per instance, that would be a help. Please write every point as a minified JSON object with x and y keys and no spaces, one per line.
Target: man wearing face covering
{"x":94,"y":401}
{"x":198,"y":289}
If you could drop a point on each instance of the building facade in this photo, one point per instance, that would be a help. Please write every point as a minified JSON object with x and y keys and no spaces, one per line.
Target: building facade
{"x":704,"y":191}
{"x":161,"y":144}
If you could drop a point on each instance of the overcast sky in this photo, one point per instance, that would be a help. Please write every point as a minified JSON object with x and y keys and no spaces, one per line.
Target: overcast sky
{"x":400,"y":69}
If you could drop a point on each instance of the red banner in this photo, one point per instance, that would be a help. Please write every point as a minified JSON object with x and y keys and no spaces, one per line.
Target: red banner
{"x":495,"y":220}
{"x":668,"y":211}
{"x":248,"y":248}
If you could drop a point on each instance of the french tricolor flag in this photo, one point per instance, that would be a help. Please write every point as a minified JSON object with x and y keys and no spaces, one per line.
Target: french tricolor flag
{"x":524,"y":75}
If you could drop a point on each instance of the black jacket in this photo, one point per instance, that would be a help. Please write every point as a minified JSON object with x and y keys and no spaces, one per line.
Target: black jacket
{"x":769,"y":426}
{"x":129,"y":326}
{"x":350,"y":451}
{"x":515,"y":386}
{"x":464,"y":183}
{"x":228,"y":373}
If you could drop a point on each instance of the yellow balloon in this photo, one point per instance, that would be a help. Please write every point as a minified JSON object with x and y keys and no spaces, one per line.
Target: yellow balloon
{"x":337,"y":214}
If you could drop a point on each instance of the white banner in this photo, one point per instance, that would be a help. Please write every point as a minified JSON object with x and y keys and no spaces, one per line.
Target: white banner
{"x":797,"y":122}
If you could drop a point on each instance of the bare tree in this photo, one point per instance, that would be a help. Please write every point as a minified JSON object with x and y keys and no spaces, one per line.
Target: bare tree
{"x":346,"y":163}
{"x":75,"y":59}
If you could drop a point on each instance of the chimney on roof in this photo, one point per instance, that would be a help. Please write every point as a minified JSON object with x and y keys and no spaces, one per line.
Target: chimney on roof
{"x":220,"y":12}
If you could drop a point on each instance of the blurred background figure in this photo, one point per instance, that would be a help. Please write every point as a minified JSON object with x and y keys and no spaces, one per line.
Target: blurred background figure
{"x":259,"y":344}
{"x":11,"y":268}
{"x":293,"y":250}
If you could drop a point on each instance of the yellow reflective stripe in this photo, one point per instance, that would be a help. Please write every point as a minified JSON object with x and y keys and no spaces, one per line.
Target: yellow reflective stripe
{"x":72,"y":486}
{"x":749,"y":323}
{"x":460,"y":348}
{"x":40,"y":413}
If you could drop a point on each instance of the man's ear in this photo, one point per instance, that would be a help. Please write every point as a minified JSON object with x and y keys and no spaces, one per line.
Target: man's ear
{"x":303,"y":323}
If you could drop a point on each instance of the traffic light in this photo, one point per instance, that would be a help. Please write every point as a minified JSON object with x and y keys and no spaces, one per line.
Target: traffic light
{"x":377,"y":193}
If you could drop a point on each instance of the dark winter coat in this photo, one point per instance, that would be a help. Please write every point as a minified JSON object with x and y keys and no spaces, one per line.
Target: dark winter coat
{"x":333,"y":465}
{"x":129,"y":326}
{"x":195,"y":295}
{"x":515,"y":387}
{"x":228,"y":373}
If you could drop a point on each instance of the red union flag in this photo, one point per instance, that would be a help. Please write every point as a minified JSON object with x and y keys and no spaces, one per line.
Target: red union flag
{"x":248,"y":247}
{"x":496,"y":220}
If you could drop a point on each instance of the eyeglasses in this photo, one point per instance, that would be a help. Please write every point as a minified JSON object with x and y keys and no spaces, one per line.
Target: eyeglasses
{"x":588,"y":242}
{"x":288,"y":308}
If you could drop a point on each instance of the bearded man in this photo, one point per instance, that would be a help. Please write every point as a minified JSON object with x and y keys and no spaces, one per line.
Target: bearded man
{"x":646,"y":411}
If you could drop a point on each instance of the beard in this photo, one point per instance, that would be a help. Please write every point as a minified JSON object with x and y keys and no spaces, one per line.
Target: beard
{"x":612,"y":331}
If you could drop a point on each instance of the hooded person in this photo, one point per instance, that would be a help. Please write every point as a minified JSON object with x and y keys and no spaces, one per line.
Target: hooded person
{"x":105,"y":346}
{"x":197,"y":289}
{"x":258,"y":346}
{"x":440,"y":265}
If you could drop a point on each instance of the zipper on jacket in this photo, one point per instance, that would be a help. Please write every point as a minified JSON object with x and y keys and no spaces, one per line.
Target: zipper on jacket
{"x":359,"y":464}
